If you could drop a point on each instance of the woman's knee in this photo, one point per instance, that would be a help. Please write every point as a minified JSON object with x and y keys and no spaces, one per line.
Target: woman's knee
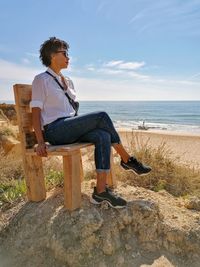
{"x":104,"y":114}
{"x":102,"y":137}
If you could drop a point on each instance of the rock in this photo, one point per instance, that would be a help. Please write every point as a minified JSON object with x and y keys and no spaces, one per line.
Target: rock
{"x":102,"y":264}
{"x":128,"y":247}
{"x":120,"y":260}
{"x":108,"y":245}
{"x":193,"y":203}
{"x":161,"y":262}
{"x":135,"y":254}
{"x":94,"y":236}
{"x":81,"y":226}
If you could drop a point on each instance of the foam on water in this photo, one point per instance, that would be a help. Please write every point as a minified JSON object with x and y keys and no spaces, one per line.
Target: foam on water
{"x":133,"y":125}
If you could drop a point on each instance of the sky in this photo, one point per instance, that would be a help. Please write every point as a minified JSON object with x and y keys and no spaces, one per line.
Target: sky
{"x":119,"y":49}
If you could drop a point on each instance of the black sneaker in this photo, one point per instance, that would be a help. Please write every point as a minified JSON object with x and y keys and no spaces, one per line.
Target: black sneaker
{"x":136,"y":166}
{"x":109,"y":197}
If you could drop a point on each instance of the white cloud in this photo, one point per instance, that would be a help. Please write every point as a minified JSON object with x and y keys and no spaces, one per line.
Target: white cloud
{"x":101,"y":89}
{"x":110,"y":71}
{"x":90,"y":67}
{"x":15,"y":72}
{"x":125,"y":65}
{"x":124,"y":73}
{"x":182,"y":18}
{"x":138,"y":76}
{"x":12,"y":73}
{"x":131,"y":65}
{"x":130,"y":86}
{"x":113,"y":63}
{"x":119,"y":67}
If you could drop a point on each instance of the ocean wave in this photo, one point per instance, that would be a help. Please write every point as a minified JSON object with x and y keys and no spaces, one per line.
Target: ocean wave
{"x":134,"y":125}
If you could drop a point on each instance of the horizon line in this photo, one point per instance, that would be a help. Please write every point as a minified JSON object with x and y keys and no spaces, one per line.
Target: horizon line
{"x":139,"y":100}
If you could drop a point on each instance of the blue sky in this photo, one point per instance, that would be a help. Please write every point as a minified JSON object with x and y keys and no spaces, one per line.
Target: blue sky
{"x":119,"y":49}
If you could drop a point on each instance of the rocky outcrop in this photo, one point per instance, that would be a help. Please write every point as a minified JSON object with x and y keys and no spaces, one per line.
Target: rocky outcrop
{"x":101,"y":236}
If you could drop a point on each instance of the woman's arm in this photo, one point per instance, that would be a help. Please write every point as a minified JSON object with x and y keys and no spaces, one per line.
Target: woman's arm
{"x":41,"y":148}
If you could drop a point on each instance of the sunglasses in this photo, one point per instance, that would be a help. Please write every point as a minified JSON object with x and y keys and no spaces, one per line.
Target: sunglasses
{"x":63,"y":52}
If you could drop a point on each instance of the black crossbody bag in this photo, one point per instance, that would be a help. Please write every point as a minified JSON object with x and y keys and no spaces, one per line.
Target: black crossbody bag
{"x":74,"y":104}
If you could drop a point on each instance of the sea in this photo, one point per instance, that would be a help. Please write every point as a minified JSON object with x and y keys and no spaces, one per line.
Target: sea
{"x":179,"y":116}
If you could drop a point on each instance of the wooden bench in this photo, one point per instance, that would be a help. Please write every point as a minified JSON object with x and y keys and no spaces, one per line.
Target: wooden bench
{"x":33,"y":165}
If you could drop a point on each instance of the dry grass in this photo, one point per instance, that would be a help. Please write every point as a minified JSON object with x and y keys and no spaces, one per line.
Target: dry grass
{"x":12,"y":182}
{"x":12,"y":185}
{"x":6,"y":131}
{"x":167,"y":172}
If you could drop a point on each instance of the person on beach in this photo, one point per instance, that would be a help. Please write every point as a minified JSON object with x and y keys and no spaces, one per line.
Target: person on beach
{"x":55,"y":121}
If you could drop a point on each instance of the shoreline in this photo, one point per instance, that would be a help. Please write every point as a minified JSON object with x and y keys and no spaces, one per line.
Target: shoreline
{"x":161,"y":132}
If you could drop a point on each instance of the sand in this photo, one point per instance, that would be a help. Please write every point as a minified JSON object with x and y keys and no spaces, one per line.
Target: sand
{"x":183,"y":145}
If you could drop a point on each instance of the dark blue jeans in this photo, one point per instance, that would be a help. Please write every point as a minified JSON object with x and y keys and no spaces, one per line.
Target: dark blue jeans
{"x":96,"y":127}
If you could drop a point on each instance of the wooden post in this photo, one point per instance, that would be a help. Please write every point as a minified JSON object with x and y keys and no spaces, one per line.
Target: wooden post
{"x":34,"y":178}
{"x":72,"y":180}
{"x":32,"y":164}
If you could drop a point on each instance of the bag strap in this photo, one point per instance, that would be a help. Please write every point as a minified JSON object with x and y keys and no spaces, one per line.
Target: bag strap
{"x":69,"y":98}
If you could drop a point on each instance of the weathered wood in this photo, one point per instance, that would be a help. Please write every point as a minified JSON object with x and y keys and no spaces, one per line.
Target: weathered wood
{"x":68,"y":147}
{"x":60,"y":149}
{"x":20,"y":111}
{"x":26,"y":120}
{"x":34,"y":177}
{"x":72,"y":181}
{"x":24,"y":92}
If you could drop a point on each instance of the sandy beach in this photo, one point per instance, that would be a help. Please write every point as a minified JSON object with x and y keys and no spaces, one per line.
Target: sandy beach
{"x":183,"y":145}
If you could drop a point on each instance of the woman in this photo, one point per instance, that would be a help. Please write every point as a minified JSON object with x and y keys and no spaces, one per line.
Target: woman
{"x":53,"y":113}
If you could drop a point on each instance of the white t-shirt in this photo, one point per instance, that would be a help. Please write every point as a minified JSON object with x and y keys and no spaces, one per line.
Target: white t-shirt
{"x":50,"y":98}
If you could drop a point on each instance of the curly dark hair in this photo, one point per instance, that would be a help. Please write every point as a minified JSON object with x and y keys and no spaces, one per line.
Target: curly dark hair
{"x":51,"y":46}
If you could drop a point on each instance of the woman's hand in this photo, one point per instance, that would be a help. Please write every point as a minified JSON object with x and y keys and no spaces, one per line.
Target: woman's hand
{"x":41,"y":149}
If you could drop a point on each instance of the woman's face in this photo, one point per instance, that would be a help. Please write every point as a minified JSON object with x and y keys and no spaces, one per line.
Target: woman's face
{"x":60,"y":58}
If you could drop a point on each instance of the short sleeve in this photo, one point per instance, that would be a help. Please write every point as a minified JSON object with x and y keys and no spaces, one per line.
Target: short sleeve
{"x":38,"y":93}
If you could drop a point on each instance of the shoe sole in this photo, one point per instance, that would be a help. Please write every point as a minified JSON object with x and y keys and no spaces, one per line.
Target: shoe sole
{"x":93,"y":201}
{"x":129,"y":169}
